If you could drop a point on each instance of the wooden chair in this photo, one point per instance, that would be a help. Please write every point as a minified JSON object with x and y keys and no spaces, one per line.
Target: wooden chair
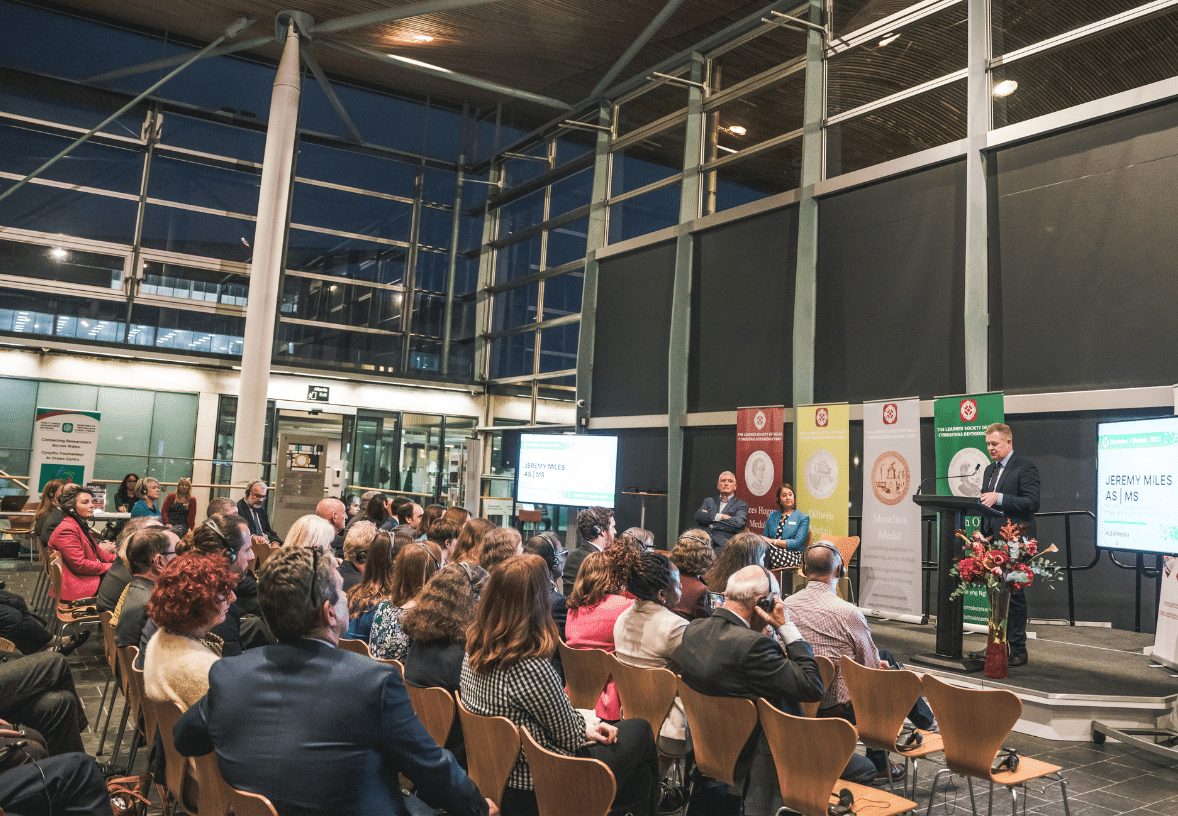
{"x":261,"y":554}
{"x":360,"y":647}
{"x":242,"y":803}
{"x":586,"y":671}
{"x":396,"y":664}
{"x":882,"y":699}
{"x":7,"y":645}
{"x":64,"y":611}
{"x":826,"y":669}
{"x":645,"y":694}
{"x":847,"y":546}
{"x":132,"y":703}
{"x":212,"y":792}
{"x":150,"y":723}
{"x":112,"y":660}
{"x":435,"y":708}
{"x":568,"y":786}
{"x":974,"y":723}
{"x":720,"y":726}
{"x":809,"y":777}
{"x":492,"y":747}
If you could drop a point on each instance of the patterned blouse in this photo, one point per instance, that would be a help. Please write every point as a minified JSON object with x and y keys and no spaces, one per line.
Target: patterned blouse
{"x":388,"y":640}
{"x":529,"y":694}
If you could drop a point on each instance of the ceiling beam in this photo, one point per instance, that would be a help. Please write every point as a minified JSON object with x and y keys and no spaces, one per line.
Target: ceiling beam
{"x":331,"y":95}
{"x":447,"y":74}
{"x":168,"y":62}
{"x":389,"y":15}
{"x":670,"y":8}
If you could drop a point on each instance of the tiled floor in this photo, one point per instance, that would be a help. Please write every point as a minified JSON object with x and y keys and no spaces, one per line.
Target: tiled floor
{"x":1102,"y":780}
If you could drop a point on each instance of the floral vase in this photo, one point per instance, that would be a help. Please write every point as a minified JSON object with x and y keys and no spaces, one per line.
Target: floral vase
{"x":996,"y":645}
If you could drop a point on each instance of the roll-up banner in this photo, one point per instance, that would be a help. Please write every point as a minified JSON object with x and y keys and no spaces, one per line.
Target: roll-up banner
{"x":823,"y":447}
{"x":64,"y":444}
{"x":960,"y":431}
{"x":759,"y":450}
{"x":1165,"y":641}
{"x":889,"y":554}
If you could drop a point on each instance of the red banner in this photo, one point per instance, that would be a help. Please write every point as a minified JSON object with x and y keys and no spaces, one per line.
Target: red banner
{"x":759,"y":451}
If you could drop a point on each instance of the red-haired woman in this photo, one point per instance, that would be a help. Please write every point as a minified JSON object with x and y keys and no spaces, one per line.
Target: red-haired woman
{"x":191,"y":596}
{"x":508,"y":673}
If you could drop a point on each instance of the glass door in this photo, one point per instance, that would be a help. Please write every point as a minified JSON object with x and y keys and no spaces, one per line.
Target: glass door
{"x":421,"y":445}
{"x":374,"y":454}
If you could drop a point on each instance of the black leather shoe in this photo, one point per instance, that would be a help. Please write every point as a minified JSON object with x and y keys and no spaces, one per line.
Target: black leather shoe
{"x":1017,"y":659}
{"x":978,"y":655}
{"x":895,"y":770}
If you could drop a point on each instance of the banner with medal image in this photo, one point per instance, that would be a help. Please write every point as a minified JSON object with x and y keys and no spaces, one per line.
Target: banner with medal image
{"x":960,"y":432}
{"x":823,"y":450}
{"x":890,"y":554}
{"x":760,"y":447}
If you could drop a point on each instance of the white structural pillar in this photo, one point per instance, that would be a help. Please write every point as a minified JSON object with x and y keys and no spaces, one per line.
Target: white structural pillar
{"x":266,"y":269}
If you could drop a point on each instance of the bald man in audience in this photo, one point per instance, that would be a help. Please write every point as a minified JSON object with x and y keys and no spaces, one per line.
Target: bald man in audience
{"x":333,"y":511}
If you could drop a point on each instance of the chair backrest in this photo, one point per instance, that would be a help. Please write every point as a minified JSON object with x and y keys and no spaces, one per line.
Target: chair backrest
{"x":882,"y":699}
{"x":586,"y":671}
{"x":826,"y":669}
{"x":213,"y":792}
{"x":138,"y":684}
{"x":973,"y":723}
{"x":166,"y":715}
{"x":492,"y":747}
{"x":261,"y":554}
{"x":126,"y":658}
{"x":645,"y":694}
{"x":568,"y":786}
{"x":806,"y":777}
{"x":396,"y":664}
{"x":720,"y":727}
{"x":846,"y":545}
{"x":242,"y":803}
{"x":435,"y":708}
{"x":55,"y":574}
{"x":360,"y":647}
{"x":108,"y":641}
{"x":7,"y":645}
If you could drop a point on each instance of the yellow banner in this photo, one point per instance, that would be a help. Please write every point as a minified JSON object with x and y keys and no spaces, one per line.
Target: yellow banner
{"x":823,"y":450}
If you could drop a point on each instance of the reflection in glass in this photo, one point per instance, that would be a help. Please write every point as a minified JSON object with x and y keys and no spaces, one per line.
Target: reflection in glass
{"x":653,"y":159}
{"x":375,"y":451}
{"x":342,"y":303}
{"x":194,"y":283}
{"x":562,"y":294}
{"x":345,"y":257}
{"x":662,"y":99}
{"x":337,"y":346}
{"x":775,"y":47}
{"x":196,"y":233}
{"x":417,"y":476}
{"x":60,"y":264}
{"x":759,"y":116}
{"x":515,"y":307}
{"x":1019,"y":23}
{"x":771,"y":171}
{"x":323,"y":207}
{"x":88,"y":216}
{"x":203,"y":185}
{"x":645,"y":213}
{"x":518,"y":260}
{"x":567,"y":243}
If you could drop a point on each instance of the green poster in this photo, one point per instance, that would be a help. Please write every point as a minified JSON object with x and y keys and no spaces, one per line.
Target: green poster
{"x":959,"y":427}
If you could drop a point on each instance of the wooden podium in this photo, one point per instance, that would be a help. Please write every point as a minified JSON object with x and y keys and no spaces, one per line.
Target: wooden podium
{"x":951,"y":511}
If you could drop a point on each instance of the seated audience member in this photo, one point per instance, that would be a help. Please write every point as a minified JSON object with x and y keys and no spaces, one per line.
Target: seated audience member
{"x":377,"y":511}
{"x":508,"y":673}
{"x":192,"y":595}
{"x":499,"y":544}
{"x":835,"y":628}
{"x":220,"y":505}
{"x":594,"y":607}
{"x":470,"y":541}
{"x":444,"y":535}
{"x":429,"y":515}
{"x":647,"y":634}
{"x":311,"y":532}
{"x":83,"y":559}
{"x":110,"y":589}
{"x":38,"y":691}
{"x":68,"y":784}
{"x":352,"y":502}
{"x":413,"y":566}
{"x":125,"y":497}
{"x":727,"y":655}
{"x":408,"y":517}
{"x":643,"y":539}
{"x":743,"y":550}
{"x":596,"y":528}
{"x":785,"y":531}
{"x":179,"y":510}
{"x":548,"y":546}
{"x":355,"y":553}
{"x":148,"y":552}
{"x":26,"y":631}
{"x":48,"y":514}
{"x":148,"y":493}
{"x":333,"y":512}
{"x":458,"y":514}
{"x":400,"y":542}
{"x":330,"y":732}
{"x":693,"y":556}
{"x":375,"y":585}
{"x":252,"y":508}
{"x":392,"y":506}
{"x":361,"y":514}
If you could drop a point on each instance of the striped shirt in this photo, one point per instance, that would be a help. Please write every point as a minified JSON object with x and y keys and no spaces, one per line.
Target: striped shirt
{"x":833,"y":628}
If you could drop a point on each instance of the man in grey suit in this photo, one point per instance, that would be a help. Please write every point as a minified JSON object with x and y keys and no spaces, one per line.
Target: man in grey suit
{"x":723,"y":516}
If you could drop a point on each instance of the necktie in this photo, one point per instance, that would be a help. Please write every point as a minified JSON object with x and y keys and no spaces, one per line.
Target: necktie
{"x":994,"y":478}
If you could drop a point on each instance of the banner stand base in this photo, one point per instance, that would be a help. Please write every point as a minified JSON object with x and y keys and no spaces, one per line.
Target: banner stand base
{"x":964,"y":665}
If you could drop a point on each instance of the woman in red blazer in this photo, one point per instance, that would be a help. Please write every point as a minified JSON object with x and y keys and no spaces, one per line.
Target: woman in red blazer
{"x":179,"y":510}
{"x":83,"y":560}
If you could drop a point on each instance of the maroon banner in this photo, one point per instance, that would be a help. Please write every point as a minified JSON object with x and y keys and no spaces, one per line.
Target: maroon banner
{"x":759,"y":451}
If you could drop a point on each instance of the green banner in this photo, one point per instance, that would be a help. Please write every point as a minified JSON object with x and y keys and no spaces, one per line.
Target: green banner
{"x":960,"y":431}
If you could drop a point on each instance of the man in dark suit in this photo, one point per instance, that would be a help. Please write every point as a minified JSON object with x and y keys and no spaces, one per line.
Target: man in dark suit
{"x":252,"y":508}
{"x":724,"y":516}
{"x":727,"y":655}
{"x":318,"y":730}
{"x":595,"y":526}
{"x":1011,"y":485}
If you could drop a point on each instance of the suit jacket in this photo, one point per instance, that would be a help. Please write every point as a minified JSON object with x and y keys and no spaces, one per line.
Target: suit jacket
{"x":1019,"y":486}
{"x":262,"y":529}
{"x":321,"y":731}
{"x":724,"y":529}
{"x":572,"y":565}
{"x":83,"y":562}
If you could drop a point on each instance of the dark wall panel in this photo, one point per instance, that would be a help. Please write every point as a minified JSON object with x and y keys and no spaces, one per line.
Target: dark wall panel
{"x":642,"y":464}
{"x":632,"y":333}
{"x":742,"y":313}
{"x":891,"y":265}
{"x":1085,"y":274}
{"x":707,"y":452}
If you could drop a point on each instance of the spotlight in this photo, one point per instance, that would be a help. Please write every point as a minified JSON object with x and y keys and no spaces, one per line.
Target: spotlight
{"x":1005,"y":88}
{"x":888,"y":39}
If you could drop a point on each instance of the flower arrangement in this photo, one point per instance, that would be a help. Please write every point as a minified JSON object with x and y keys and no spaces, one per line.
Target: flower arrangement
{"x":1012,"y":559}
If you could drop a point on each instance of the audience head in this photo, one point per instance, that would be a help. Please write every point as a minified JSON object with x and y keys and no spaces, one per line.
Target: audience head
{"x":401,"y":541}
{"x":366,"y":496}
{"x":746,"y":585}
{"x":394,"y":504}
{"x":601,"y":574}
{"x":445,"y":607}
{"x":149,"y":549}
{"x":413,"y":566}
{"x":628,"y":541}
{"x":822,"y":561}
{"x":548,"y":546}
{"x":375,"y":510}
{"x":333,"y":512}
{"x":183,"y":489}
{"x":742,"y":550}
{"x":652,"y":577}
{"x":301,"y":595}
{"x":596,"y":526}
{"x":726,"y":483}
{"x":377,"y":582}
{"x":444,"y":533}
{"x":127,"y":486}
{"x":311,"y":531}
{"x":410,"y":514}
{"x":131,"y":527}
{"x":513,"y":620}
{"x":470,"y":541}
{"x":643,"y":538}
{"x":693,"y":553}
{"x":192,"y":595}
{"x":49,"y":496}
{"x":357,"y":543}
{"x":429,"y":515}
{"x":353,"y":504}
{"x":787,"y":502}
{"x":227,"y":535}
{"x":500,"y":544}
{"x":255,"y":494}
{"x":148,"y":488}
{"x":76,"y":502}
{"x":220,"y":504}
{"x":458,"y":514}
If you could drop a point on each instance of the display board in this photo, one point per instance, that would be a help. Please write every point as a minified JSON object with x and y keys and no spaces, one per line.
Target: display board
{"x":1136,"y":473}
{"x":574,"y":469}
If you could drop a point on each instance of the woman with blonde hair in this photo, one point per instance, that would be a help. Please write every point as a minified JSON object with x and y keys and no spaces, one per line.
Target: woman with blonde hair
{"x":312,"y":532}
{"x":148,"y":491}
{"x":179,"y":510}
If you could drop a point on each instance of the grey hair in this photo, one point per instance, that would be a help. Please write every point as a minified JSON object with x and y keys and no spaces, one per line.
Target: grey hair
{"x":144,"y":484}
{"x":747,"y":584}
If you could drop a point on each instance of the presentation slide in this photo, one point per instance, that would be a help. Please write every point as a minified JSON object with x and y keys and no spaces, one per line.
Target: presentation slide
{"x":577,"y":470}
{"x":1136,"y":473}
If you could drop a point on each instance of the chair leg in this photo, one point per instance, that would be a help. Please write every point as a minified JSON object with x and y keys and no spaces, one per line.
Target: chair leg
{"x":932,"y":794}
{"x":122,"y":727}
{"x":109,"y":711}
{"x":915,"y":770}
{"x":972,"y":804}
{"x":1063,"y":790}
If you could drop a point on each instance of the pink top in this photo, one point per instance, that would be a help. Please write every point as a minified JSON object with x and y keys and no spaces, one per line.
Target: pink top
{"x":83,"y":563}
{"x":592,"y":627}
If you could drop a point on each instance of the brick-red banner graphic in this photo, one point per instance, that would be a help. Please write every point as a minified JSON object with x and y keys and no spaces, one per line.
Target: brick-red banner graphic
{"x":759,"y":451}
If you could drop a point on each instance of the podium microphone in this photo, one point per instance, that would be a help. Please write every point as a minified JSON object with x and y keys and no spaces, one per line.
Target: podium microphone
{"x":923,"y":482}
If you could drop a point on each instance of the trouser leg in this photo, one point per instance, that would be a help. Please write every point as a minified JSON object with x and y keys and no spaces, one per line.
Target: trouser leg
{"x":38,"y":690}
{"x":635,"y":766}
{"x":72,"y":785}
{"x":1016,"y":622}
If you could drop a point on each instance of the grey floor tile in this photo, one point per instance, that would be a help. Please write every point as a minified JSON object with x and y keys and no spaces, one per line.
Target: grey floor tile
{"x":1113,"y":801}
{"x":1077,"y":808}
{"x":1146,"y":788}
{"x":1110,"y":770}
{"x":1167,"y":807}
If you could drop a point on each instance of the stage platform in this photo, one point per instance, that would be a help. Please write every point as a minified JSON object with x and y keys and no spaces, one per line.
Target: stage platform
{"x":1075,"y":675}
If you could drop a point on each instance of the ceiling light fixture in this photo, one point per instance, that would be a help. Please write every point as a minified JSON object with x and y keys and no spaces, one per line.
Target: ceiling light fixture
{"x":888,"y":39}
{"x":422,"y":38}
{"x":1005,"y":88}
{"x":737,"y":130}
{"x":58,"y":254}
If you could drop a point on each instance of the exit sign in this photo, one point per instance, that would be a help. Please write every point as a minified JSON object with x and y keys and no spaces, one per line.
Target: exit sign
{"x":318,"y":393}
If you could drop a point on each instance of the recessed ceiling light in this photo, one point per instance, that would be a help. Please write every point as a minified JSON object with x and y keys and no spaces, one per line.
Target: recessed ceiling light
{"x":738,"y":130}
{"x":58,"y":254}
{"x":888,"y":39}
{"x":422,"y":38}
{"x":1005,"y":88}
